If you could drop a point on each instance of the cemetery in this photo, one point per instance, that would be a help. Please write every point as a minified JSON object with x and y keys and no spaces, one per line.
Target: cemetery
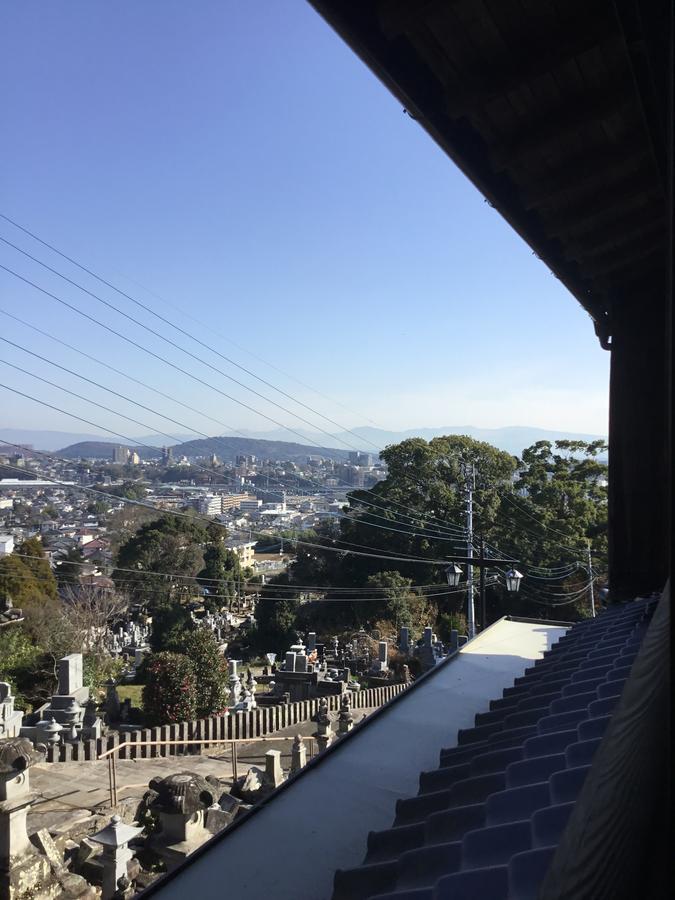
{"x":124,"y":845}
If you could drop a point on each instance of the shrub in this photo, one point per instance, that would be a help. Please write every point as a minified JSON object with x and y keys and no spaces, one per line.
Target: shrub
{"x":201,"y":648}
{"x":170,"y":692}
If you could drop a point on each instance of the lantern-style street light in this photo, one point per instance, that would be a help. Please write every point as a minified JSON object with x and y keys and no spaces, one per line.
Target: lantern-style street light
{"x":513,"y":578}
{"x":453,"y":573}
{"x":482,"y":562}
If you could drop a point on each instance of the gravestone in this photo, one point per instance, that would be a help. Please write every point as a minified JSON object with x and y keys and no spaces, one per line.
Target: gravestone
{"x":311,"y":641}
{"x":404,"y":640}
{"x":10,"y":718}
{"x":70,"y":678}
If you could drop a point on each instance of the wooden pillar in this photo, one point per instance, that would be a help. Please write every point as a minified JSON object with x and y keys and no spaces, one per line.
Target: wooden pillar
{"x":639,"y":451}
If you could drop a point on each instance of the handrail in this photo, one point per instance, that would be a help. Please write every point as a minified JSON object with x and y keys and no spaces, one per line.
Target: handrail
{"x":178,"y":742}
{"x":111,"y":754}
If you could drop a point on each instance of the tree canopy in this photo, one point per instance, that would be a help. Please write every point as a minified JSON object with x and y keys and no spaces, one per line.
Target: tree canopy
{"x":540,"y":510}
{"x":168,"y":545}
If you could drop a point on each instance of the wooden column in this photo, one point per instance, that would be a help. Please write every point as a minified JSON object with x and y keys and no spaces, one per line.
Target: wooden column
{"x":639,"y":449}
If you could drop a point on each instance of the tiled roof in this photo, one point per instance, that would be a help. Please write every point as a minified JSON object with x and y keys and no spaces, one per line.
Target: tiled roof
{"x":486,"y":822}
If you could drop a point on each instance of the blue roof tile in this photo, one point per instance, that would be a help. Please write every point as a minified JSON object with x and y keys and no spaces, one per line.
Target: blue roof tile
{"x":487,"y":821}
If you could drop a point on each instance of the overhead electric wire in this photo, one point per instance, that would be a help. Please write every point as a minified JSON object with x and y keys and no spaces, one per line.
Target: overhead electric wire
{"x":131,"y":378}
{"x":173,"y":365}
{"x":196,"y":378}
{"x":196,"y":517}
{"x":145,"y":425}
{"x":199,"y":581}
{"x":182,"y":331}
{"x":193,"y":356}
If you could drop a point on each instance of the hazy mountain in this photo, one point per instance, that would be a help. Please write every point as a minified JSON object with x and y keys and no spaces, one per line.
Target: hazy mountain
{"x":102,"y":450}
{"x":274,"y":444}
{"x":50,"y":440}
{"x":513,"y":438}
{"x":42,"y":440}
{"x":225,"y":448}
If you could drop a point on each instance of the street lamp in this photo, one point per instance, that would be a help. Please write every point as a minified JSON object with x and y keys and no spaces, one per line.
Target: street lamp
{"x":513,"y":578}
{"x":453,"y":573}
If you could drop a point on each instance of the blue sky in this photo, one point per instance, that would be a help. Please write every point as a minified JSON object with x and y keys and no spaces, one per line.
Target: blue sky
{"x":239,"y":162}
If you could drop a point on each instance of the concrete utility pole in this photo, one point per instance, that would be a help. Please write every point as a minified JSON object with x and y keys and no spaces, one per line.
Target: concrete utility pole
{"x":470,"y":482}
{"x":589,"y":563}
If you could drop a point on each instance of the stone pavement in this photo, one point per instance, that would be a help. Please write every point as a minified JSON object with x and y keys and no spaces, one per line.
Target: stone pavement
{"x":72,"y":792}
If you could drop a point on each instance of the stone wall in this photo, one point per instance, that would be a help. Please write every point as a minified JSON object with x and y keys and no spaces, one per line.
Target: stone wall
{"x":231,"y":726}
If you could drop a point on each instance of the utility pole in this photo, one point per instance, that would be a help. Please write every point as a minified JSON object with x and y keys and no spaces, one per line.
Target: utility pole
{"x":589,"y":563}
{"x":483,"y":605}
{"x":470,"y":484}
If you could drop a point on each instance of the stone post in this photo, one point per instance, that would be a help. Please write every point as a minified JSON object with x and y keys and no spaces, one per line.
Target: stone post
{"x":16,"y":757}
{"x":298,"y":754}
{"x":274,"y":774}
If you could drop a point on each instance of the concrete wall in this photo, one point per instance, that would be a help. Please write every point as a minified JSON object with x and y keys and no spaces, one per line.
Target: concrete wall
{"x":231,"y":726}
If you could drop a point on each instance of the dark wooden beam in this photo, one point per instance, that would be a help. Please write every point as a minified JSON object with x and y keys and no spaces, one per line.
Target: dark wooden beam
{"x":536,"y":133}
{"x":590,"y":170}
{"x":630,"y":193}
{"x":616,"y":262}
{"x":617,"y":235}
{"x":533,"y":55}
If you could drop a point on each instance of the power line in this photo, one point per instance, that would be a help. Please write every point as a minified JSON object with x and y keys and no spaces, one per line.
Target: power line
{"x":197,"y":582}
{"x":144,"y":425}
{"x":177,"y":513}
{"x":157,"y":356}
{"x":188,"y":334}
{"x":190,"y":375}
{"x":194,"y":356}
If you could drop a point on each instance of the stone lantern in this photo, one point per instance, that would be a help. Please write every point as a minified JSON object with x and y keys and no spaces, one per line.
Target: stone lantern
{"x":116,"y":854}
{"x":48,"y":731}
{"x":181,"y":802}
{"x":16,"y":757}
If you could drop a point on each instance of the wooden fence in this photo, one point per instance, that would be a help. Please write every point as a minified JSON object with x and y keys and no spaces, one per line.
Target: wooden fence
{"x":230,"y":726}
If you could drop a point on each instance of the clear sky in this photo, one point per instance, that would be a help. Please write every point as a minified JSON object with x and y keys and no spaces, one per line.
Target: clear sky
{"x":239,"y":161}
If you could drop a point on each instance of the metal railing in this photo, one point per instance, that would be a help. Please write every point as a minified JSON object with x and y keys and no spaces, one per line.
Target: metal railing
{"x":111,"y":755}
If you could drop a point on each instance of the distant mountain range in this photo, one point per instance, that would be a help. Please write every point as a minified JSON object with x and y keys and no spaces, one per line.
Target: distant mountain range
{"x":225,"y":448}
{"x":512,"y":438}
{"x":273,"y":445}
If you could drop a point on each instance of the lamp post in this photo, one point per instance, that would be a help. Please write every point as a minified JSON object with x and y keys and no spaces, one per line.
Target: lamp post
{"x":453,"y":574}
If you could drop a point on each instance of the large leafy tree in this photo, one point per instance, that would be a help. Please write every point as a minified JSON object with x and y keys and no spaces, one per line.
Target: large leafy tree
{"x":540,"y":510}
{"x":417,"y":510}
{"x":556,"y":510}
{"x":170,"y":545}
{"x":70,"y":567}
{"x":220,"y":575}
{"x":28,"y":581}
{"x":275,"y":616}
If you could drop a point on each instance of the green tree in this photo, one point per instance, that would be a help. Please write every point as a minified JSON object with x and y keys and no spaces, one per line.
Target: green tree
{"x":69,"y":569}
{"x":171,"y":625}
{"x":33,"y":556}
{"x":275,"y":617}
{"x":170,"y":544}
{"x":170,"y":690}
{"x":220,"y":575}
{"x":201,"y":648}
